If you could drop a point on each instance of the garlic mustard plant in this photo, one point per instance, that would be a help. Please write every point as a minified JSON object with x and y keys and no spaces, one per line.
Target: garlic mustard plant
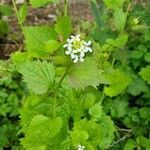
{"x":77,"y":48}
{"x":80,"y":147}
{"x":72,"y":106}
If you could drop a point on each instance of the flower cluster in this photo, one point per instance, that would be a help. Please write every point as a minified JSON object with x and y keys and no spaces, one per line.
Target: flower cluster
{"x":80,"y":147}
{"x":77,"y":48}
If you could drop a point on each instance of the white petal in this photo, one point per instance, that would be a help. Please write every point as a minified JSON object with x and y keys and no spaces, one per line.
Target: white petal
{"x":69,"y":48}
{"x":66,"y":45}
{"x":78,"y":36}
{"x":72,"y":36}
{"x":75,"y":51}
{"x":69,"y":41}
{"x":82,"y":54}
{"x":80,"y":147}
{"x":78,"y":39}
{"x":67,"y":52}
{"x":85,"y":50}
{"x":73,"y":56}
{"x":76,"y":59}
{"x":84,"y":42}
{"x":82,"y":47}
{"x":81,"y":59}
{"x":89,"y":43}
{"x":88,"y":49}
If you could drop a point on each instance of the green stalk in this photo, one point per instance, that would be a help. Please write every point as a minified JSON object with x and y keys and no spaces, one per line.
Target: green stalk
{"x":66,"y":8}
{"x":103,"y":95}
{"x":56,"y":93}
{"x":17,"y":14}
{"x":54,"y":104}
{"x":63,"y":76}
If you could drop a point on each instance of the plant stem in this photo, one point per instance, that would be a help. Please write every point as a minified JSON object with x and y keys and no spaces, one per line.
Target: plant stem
{"x":63,"y":76}
{"x":124,"y":130}
{"x":17,"y":14}
{"x":121,"y":139}
{"x":112,"y":64}
{"x":54,"y":105}
{"x":56,"y":93}
{"x":66,"y":8}
{"x":103,"y":95}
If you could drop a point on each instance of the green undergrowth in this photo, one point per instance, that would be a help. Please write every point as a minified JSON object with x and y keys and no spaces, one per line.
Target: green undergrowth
{"x":47,"y":102}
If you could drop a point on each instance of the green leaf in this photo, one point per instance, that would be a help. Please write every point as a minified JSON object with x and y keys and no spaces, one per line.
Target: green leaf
{"x":5,"y":10}
{"x":145,"y":73}
{"x":3,"y":65}
{"x":89,"y":100}
{"x":36,"y":37}
{"x":79,"y":136}
{"x":84,"y":132}
{"x":40,"y":3}
{"x":51,"y":46}
{"x":118,"y":82}
{"x":38,"y":75}
{"x":145,"y":113}
{"x":41,"y":130}
{"x":137,"y":87}
{"x":120,"y":19}
{"x":34,"y":105}
{"x":147,"y":57}
{"x":113,"y":4}
{"x":136,"y":54}
{"x":108,"y":130}
{"x":4,"y":29}
{"x":120,"y":107}
{"x":130,"y":145}
{"x":96,"y":13}
{"x":119,"y":41}
{"x":117,"y":108}
{"x":142,"y":48}
{"x":19,"y":57}
{"x":88,"y":132}
{"x":63,"y":26}
{"x":23,"y":12}
{"x":43,"y":147}
{"x":102,"y":35}
{"x":96,"y":111}
{"x":139,"y":27}
{"x":85,"y":74}
{"x":143,"y":142}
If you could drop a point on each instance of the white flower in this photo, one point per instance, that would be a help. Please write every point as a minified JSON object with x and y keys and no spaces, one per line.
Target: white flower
{"x":77,"y":48}
{"x":80,"y":147}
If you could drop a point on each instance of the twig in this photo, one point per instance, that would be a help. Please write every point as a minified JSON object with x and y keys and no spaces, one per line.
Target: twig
{"x":17,"y":14}
{"x":121,"y":139}
{"x":124,"y":130}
